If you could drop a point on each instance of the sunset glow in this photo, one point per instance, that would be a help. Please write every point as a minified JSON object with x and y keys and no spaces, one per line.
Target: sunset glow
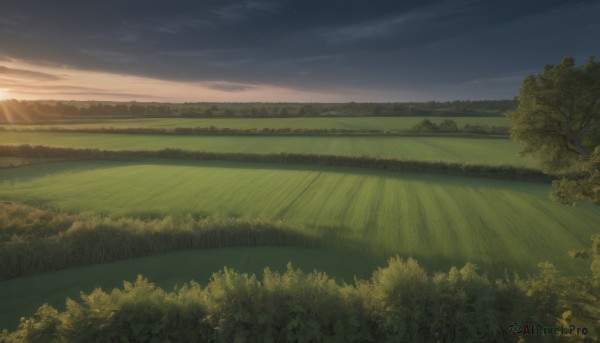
{"x":286,"y":51}
{"x":4,"y":94}
{"x":28,"y":81}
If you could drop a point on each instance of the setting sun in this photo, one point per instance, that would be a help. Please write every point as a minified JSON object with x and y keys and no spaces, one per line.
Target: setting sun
{"x":4,"y":94}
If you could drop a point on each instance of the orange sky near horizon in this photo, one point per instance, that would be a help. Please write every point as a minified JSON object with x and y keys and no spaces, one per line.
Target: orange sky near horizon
{"x":24,"y":80}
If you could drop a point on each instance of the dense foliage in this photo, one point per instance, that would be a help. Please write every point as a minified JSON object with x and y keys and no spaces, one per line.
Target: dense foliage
{"x":447,"y":126}
{"x":450,"y":126}
{"x":40,"y":111}
{"x":478,"y":170}
{"x":558,"y":120}
{"x":400,"y":303}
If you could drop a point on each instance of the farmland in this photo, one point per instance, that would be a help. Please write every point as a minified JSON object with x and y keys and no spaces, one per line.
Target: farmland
{"x":442,"y":220}
{"x":349,"y":123}
{"x":494,"y":151}
{"x":357,"y":217}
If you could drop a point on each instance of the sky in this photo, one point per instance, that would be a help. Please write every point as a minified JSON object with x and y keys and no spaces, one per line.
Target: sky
{"x":286,"y":50}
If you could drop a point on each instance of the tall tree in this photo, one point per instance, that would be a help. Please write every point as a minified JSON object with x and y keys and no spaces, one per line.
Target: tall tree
{"x":558,"y":121}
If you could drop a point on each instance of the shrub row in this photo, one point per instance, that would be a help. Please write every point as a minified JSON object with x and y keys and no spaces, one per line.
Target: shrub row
{"x":450,"y":126}
{"x":445,"y":168}
{"x":36,"y":240}
{"x":400,"y":303}
{"x":212,"y":130}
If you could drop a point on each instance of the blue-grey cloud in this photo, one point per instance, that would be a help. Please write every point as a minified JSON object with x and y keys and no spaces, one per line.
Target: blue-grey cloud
{"x":230,"y":87}
{"x":435,"y":47}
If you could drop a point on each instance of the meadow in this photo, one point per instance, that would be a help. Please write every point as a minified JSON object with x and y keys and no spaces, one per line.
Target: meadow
{"x":441,"y":220}
{"x":493,"y":151}
{"x":358,"y":216}
{"x":348,"y":123}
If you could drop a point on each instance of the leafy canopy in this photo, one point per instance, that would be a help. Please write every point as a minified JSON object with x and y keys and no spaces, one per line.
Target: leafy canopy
{"x":558,"y":121}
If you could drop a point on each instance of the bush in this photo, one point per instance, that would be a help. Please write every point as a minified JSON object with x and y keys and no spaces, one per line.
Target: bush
{"x":425,"y":126}
{"x":400,"y":303}
{"x":448,"y":125}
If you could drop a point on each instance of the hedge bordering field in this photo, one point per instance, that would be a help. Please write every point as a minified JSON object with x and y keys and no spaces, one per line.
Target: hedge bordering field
{"x":467,"y":131}
{"x":426,"y":167}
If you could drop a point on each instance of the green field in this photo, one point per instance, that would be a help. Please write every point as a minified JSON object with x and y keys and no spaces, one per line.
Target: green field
{"x":22,"y":296}
{"x":19,"y":161}
{"x":359,"y":123}
{"x":440,"y":220}
{"x":13,"y":161}
{"x":494,"y":151}
{"x":361,"y":216}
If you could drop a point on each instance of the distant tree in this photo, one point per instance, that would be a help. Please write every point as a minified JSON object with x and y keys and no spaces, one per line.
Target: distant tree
{"x":558,"y":121}
{"x":425,"y":125}
{"x":448,"y":125}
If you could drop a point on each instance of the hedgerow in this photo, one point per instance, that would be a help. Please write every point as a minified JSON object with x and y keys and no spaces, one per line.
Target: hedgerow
{"x":34,"y":240}
{"x":445,"y":168}
{"x":213,"y":130}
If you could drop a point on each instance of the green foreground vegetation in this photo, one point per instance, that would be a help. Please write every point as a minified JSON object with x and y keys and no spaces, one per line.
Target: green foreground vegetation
{"x":400,"y":302}
{"x":21,"y":297}
{"x":493,"y":151}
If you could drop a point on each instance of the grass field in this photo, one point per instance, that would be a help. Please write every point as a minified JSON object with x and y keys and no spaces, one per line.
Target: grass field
{"x":440,"y":220}
{"x":501,"y":226}
{"x":22,"y":296}
{"x":359,"y":123}
{"x":493,"y":151}
{"x":13,"y":161}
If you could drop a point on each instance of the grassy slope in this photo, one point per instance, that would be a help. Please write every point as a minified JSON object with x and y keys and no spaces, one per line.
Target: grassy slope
{"x":376,"y":123}
{"x":449,"y":149}
{"x":439,"y":220}
{"x":21,"y":297}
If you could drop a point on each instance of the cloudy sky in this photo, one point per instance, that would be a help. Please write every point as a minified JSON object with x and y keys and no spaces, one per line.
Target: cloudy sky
{"x":286,"y":50}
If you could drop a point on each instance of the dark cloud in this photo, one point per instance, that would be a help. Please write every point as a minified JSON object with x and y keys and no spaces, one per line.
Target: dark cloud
{"x":28,"y":74}
{"x":227,"y":87}
{"x":439,"y":48}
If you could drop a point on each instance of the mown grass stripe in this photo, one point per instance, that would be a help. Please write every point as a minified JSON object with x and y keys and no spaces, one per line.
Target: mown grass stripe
{"x":462,"y":150}
{"x":492,"y":223}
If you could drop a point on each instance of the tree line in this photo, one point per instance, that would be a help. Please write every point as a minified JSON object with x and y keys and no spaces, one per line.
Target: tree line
{"x":27,"y":111}
{"x":425,"y":126}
